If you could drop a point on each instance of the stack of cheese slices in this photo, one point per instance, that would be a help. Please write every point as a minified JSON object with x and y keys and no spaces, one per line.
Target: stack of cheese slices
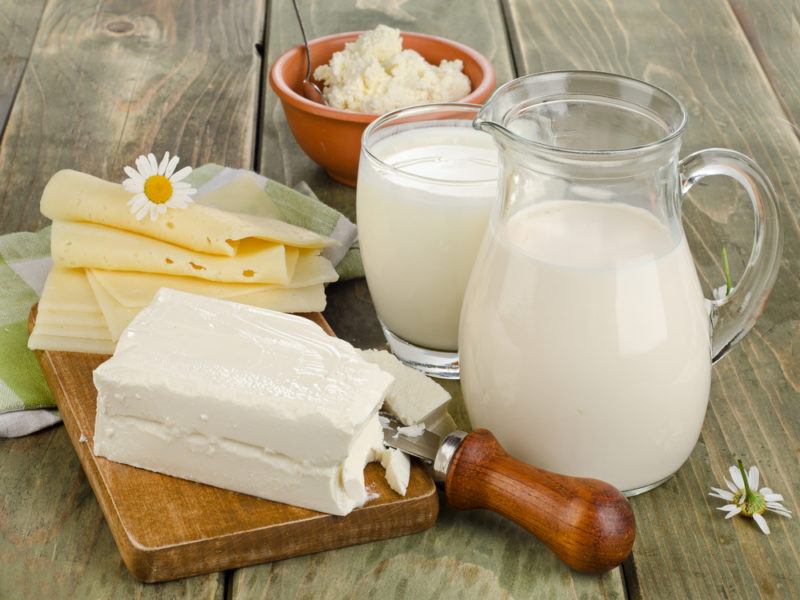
{"x":108,"y":266}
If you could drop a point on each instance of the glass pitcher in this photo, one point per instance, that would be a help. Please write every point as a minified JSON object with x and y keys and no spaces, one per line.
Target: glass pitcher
{"x":585,"y":341}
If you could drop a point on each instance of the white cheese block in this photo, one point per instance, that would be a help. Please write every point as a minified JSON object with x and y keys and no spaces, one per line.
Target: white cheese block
{"x":256,"y":376}
{"x":413,"y":397}
{"x":398,"y":469}
{"x":183,"y":452}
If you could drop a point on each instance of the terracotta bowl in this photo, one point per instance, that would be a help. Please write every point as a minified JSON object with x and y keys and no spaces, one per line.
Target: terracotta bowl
{"x":332,"y":137}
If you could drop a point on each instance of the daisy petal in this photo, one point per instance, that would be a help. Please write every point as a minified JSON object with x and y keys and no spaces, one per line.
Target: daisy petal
{"x":133,"y":185}
{"x":142,"y":212}
{"x":720,"y":493}
{"x":783,"y":513}
{"x":136,"y":201}
{"x":153,"y":212}
{"x":762,"y":523}
{"x":173,"y":162}
{"x":151,"y":158}
{"x":181,"y":174}
{"x":732,"y":487}
{"x":162,"y":166}
{"x":733,"y":513}
{"x":729,"y":507}
{"x":752,"y":476}
{"x":770,"y":497}
{"x":736,"y":476}
{"x":143,"y":166}
{"x":131,"y":172}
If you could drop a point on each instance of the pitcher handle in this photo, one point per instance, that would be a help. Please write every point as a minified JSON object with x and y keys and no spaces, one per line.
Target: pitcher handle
{"x":733,"y":316}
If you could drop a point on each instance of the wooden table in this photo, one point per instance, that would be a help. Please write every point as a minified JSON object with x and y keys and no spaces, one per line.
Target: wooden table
{"x":90,"y":84}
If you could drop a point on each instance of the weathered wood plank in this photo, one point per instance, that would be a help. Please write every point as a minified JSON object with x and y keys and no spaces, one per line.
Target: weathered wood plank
{"x":18,"y":24}
{"x":54,"y":542}
{"x":697,"y":50}
{"x":109,"y":80}
{"x":465,"y":555}
{"x":106,"y":81}
{"x":773,"y":30}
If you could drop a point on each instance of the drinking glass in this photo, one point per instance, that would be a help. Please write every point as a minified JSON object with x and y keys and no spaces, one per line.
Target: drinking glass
{"x":426,"y":182}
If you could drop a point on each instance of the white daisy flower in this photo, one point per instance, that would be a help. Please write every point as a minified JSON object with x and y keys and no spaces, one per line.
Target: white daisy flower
{"x":156,"y":186}
{"x":743,"y":499}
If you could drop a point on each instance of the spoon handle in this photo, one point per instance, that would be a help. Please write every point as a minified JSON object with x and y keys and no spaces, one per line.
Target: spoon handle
{"x":305,"y":39}
{"x":587,"y":523}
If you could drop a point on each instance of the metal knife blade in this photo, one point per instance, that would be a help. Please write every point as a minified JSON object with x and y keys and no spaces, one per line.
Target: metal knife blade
{"x":424,"y":446}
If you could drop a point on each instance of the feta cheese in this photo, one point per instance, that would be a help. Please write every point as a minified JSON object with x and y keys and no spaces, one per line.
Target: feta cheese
{"x":412,"y":397}
{"x":373,"y":74}
{"x":398,"y":469}
{"x":243,"y":398}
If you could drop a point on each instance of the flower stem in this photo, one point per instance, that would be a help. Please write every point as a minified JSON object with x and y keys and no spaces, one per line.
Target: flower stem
{"x":726,"y":269}
{"x":747,"y":490}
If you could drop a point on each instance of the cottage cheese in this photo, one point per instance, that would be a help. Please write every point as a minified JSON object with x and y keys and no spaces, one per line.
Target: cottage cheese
{"x":243,"y":398}
{"x":374,"y":74}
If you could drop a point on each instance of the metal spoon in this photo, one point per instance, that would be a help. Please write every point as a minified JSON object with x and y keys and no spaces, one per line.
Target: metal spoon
{"x":310,"y":89}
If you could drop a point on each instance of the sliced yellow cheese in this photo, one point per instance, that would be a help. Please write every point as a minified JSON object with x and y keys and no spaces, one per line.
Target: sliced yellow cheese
{"x":69,"y":317}
{"x":242,"y":195}
{"x":76,"y":245}
{"x":50,"y":314}
{"x":307,"y":299}
{"x":117,"y":317}
{"x":39,"y":341}
{"x":74,"y":196}
{"x":135,"y":290}
{"x":290,"y":300}
{"x":66,"y":329}
{"x":67,"y":290}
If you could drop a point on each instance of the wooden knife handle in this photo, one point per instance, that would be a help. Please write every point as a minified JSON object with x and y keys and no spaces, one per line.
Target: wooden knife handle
{"x":587,"y":523}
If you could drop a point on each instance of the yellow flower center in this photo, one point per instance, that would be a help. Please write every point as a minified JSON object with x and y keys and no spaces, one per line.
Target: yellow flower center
{"x":158,"y":189}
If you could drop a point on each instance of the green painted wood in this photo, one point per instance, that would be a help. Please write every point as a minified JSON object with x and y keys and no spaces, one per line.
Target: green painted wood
{"x":18,"y":24}
{"x":773,"y":30}
{"x":106,"y":81}
{"x":465,"y":555}
{"x":698,"y":51}
{"x":54,"y":542}
{"x":109,"y":80}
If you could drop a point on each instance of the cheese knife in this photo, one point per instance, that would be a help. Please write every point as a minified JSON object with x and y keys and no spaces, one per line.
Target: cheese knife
{"x":587,"y":523}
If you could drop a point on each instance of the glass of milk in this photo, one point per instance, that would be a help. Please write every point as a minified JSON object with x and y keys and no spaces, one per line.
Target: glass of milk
{"x":426,"y":183}
{"x":586,"y":344}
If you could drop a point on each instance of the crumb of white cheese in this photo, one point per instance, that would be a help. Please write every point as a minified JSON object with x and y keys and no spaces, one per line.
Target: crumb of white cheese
{"x":373,"y":74}
{"x":82,"y":439}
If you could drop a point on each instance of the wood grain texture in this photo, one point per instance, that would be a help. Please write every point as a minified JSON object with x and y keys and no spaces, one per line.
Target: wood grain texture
{"x":18,"y":24}
{"x":109,"y":80}
{"x":587,"y":523}
{"x":105,"y":81}
{"x":54,"y":542}
{"x":468,"y":555}
{"x":168,"y":528}
{"x":773,"y":30}
{"x":697,"y":50}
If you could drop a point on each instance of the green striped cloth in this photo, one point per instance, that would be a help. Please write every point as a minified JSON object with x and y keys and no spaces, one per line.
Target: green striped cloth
{"x":26,"y":404}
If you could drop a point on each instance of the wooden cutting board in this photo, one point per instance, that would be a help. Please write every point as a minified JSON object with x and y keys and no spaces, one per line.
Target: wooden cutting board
{"x":167,"y":528}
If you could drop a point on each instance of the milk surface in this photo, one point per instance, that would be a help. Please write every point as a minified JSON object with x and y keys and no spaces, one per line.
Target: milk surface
{"x":585,"y":342}
{"x":420,"y":228}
